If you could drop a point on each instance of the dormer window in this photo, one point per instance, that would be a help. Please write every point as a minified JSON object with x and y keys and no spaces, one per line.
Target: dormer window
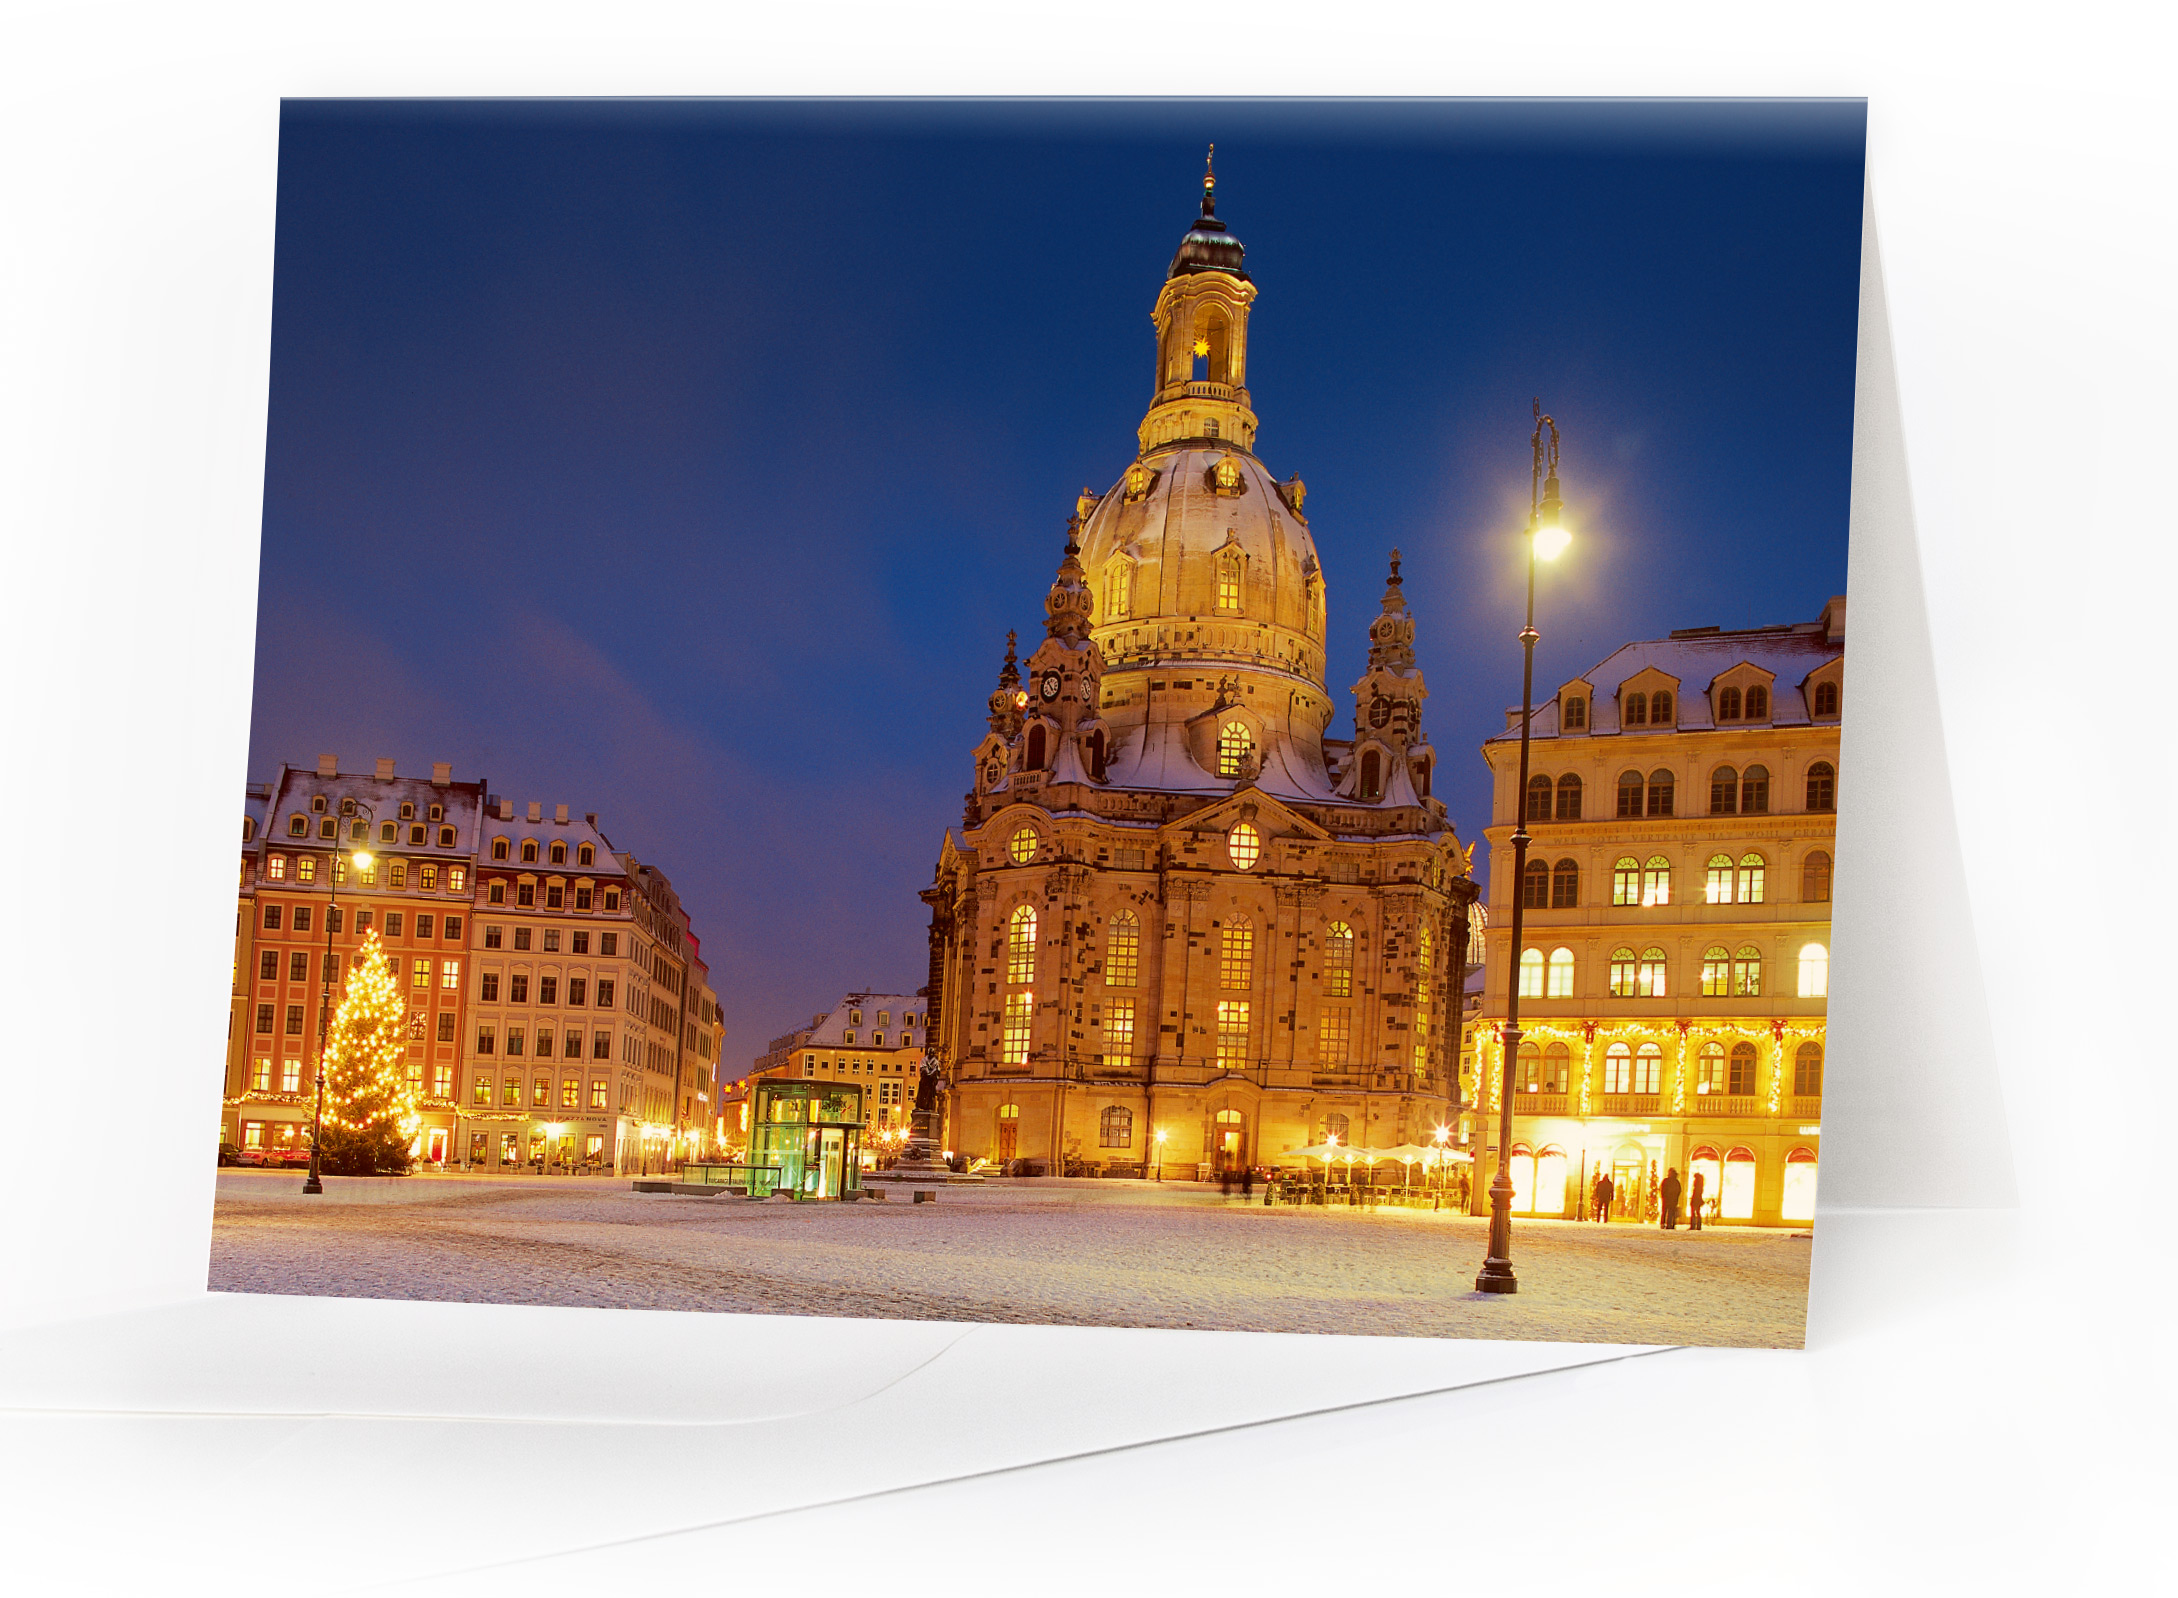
{"x":298,"y":826}
{"x":436,"y":813}
{"x":387,"y":833}
{"x":499,"y":848}
{"x":408,"y":812}
{"x":1634,"y":712}
{"x":559,"y":854}
{"x":1727,"y":704}
{"x":446,"y":837}
{"x":1758,"y":702}
{"x":1574,"y":718}
{"x":529,"y":850}
{"x":328,"y":828}
{"x":1660,"y":708}
{"x":317,"y":805}
{"x":1826,"y":699}
{"x":586,"y":855}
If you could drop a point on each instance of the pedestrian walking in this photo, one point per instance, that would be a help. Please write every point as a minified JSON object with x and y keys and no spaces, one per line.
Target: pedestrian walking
{"x":1606,"y":1190}
{"x":1671,"y":1199}
{"x":1694,"y":1207}
{"x":1247,"y":1182}
{"x":1225,"y":1181}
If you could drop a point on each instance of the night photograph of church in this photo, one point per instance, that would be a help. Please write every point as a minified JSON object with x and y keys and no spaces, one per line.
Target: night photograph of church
{"x":1386,"y":886}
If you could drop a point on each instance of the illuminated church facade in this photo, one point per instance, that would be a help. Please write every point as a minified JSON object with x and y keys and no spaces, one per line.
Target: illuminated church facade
{"x":1183,"y":923}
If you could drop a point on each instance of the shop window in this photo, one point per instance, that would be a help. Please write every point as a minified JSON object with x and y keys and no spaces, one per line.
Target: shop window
{"x":1739,"y":1186}
{"x":1705,"y":1164}
{"x":1798,"y":1202}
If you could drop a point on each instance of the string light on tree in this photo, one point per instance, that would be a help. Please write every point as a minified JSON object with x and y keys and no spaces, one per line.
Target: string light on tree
{"x":370,"y":1111}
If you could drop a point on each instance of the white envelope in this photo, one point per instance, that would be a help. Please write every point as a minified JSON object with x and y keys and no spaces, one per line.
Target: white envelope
{"x":663,"y":1421}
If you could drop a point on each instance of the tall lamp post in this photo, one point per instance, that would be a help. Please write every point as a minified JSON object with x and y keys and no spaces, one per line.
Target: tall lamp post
{"x":1546,"y":541}
{"x":355,"y":814}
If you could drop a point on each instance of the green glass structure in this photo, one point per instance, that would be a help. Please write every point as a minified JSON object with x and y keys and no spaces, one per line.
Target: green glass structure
{"x":811,"y":1134}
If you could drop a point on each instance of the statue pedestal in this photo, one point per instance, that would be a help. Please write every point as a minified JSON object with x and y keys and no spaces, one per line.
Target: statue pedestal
{"x":921,"y":1162}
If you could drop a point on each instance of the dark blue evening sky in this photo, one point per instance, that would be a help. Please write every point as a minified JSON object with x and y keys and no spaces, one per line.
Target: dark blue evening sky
{"x":688,"y":462}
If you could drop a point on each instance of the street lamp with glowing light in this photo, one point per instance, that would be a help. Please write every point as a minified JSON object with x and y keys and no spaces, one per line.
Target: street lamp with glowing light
{"x":1547,"y":539}
{"x":1160,"y":1142}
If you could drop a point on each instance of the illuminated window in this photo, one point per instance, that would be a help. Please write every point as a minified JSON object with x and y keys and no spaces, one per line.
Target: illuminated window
{"x":1633,"y":710}
{"x":1021,"y":945}
{"x":1727,"y":704}
{"x":1814,"y":971}
{"x":1623,"y":968}
{"x":482,"y":1092}
{"x":1569,"y":797}
{"x":1753,"y":875}
{"x":1122,"y":950}
{"x":1232,"y":1031}
{"x":1244,"y":845}
{"x":1565,"y":885}
{"x":1798,"y":1200}
{"x":1649,"y":979}
{"x":1648,"y":1069}
{"x":1118,"y":587}
{"x":1535,"y":885}
{"x":1560,"y":985}
{"x":1235,"y":745}
{"x":1629,"y":794}
{"x":570,"y":1093}
{"x":261,"y":1076}
{"x":540,"y":1093}
{"x":1656,"y":881}
{"x":1539,"y":794}
{"x":1421,"y":1045}
{"x":421,"y":977}
{"x":276,"y":871}
{"x":1229,"y":582}
{"x":1709,"y":1071}
{"x":1754,"y":791}
{"x":1119,"y":1031}
{"x":1335,"y":1033}
{"x":1807,"y":1071}
{"x":1338,"y":961}
{"x":1618,"y":1069}
{"x":1424,"y":954}
{"x":1236,"y":960}
{"x":1021,"y":847}
{"x":1716,"y":971}
{"x":1013,"y":1046}
{"x":1626,"y":881}
{"x":1115,"y":1127}
{"x":1531,"y":973}
{"x":1724,"y":791}
{"x":1717,"y":887}
{"x":1740,"y":1083}
{"x":1822,"y":786}
{"x":1660,"y":793}
{"x":1335,"y":1125}
{"x":1826,"y":699}
{"x":450,"y":974}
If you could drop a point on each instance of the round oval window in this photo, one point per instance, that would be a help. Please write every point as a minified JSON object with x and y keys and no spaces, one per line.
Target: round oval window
{"x":1022,"y":846}
{"x":1245,"y":845}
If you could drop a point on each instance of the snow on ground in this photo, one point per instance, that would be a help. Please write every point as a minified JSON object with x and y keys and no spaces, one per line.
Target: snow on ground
{"x":1090,"y":1253}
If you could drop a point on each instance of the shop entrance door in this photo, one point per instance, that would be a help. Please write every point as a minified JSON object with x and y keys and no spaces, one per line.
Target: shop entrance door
{"x":1627,"y":1174}
{"x":1009,"y":1138}
{"x":436,"y":1152}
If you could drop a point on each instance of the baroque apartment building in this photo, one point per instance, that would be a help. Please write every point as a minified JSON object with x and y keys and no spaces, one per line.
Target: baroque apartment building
{"x":1181,"y":921}
{"x":303,"y":913}
{"x":558,"y":1005}
{"x":874,"y":1040}
{"x":1682,"y":803}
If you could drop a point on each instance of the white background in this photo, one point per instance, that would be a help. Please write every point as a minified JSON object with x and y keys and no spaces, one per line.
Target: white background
{"x":1986,"y":1399}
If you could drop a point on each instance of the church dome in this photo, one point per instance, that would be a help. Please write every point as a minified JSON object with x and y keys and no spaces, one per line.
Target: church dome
{"x":1203,"y":534}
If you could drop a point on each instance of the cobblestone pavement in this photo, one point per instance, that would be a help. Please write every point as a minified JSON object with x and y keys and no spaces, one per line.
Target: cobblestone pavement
{"x":1092,"y":1253}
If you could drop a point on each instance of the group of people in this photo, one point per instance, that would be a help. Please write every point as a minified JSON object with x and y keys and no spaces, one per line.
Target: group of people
{"x":1604,"y":1191}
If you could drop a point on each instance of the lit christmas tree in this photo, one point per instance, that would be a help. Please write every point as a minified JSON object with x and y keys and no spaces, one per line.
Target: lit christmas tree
{"x":370,"y":1114}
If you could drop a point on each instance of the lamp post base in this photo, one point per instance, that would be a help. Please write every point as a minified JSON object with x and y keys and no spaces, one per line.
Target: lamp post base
{"x":311,"y":1184}
{"x":1496,"y":1276}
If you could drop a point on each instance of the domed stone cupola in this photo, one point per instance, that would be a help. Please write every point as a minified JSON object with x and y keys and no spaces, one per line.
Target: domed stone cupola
{"x":1201,"y":317}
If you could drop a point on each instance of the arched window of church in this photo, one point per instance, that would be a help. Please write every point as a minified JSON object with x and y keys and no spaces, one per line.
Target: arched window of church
{"x":1032,"y":758}
{"x":1115,"y":1127}
{"x":1096,"y":755}
{"x":1338,"y":961}
{"x":1372,"y":776}
{"x":1424,"y":954}
{"x":1236,"y":958}
{"x":1021,"y":945}
{"x":1215,"y":342}
{"x":1235,"y":745}
{"x":1229,"y":582}
{"x":1122,"y":950}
